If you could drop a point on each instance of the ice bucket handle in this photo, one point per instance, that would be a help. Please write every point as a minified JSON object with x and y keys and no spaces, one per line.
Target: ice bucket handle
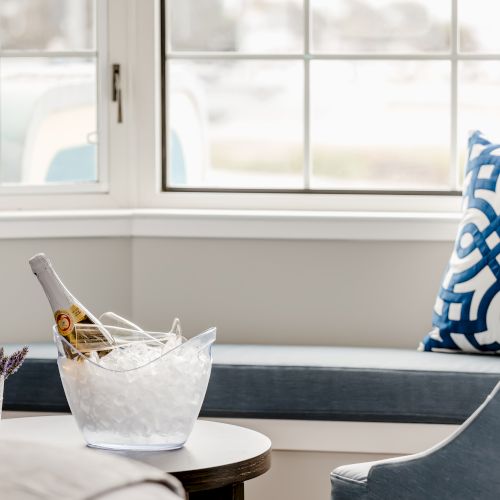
{"x":202,"y":340}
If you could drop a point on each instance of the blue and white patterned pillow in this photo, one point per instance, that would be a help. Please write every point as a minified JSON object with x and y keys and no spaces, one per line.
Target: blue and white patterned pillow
{"x":466,"y":315}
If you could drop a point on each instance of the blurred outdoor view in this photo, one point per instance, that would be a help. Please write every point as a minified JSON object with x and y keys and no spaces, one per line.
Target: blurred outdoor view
{"x":374,"y":123}
{"x":48,"y":115}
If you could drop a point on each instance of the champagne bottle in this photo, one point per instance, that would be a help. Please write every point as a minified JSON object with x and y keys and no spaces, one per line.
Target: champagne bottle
{"x":69,"y":312}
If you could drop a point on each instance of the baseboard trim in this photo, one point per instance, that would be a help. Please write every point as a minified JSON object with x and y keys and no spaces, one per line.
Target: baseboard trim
{"x":346,"y":437}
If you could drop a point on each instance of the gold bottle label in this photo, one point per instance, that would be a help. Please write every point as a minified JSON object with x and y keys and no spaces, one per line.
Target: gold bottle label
{"x":85,"y":338}
{"x":77,"y":313}
{"x":64,"y":322}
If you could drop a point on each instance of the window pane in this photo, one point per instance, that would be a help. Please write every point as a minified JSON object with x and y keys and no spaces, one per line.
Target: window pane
{"x":235,"y":124}
{"x":479,"y":25}
{"x":47,"y":24}
{"x":479,"y":102}
{"x":48,"y":124}
{"x":236,"y":25}
{"x":371,"y":26}
{"x":380,"y":124}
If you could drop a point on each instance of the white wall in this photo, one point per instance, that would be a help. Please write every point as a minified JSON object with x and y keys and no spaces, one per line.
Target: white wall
{"x":254,"y":291}
{"x":290,"y":292}
{"x":96,"y":270}
{"x":302,"y":475}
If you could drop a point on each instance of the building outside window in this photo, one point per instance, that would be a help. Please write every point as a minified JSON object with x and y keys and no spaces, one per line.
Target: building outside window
{"x":327,"y":95}
{"x":51,"y":133}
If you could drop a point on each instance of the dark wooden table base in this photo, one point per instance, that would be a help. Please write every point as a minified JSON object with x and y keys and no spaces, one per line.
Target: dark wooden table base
{"x":224,"y":482}
{"x":231,"y":492}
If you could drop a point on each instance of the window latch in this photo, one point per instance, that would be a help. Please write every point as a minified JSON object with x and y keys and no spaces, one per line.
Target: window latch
{"x":117,"y":90}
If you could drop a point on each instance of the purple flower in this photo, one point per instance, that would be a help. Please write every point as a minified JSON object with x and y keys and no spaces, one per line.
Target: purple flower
{"x":10,"y":364}
{"x":2,"y":360}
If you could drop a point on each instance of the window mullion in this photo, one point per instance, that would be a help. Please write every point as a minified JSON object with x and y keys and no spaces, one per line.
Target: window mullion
{"x":47,"y":53}
{"x":103,"y":92}
{"x":307,"y":94}
{"x":454,"y":168}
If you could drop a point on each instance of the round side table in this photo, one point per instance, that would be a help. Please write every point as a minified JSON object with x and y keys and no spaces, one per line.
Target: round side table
{"x":214,"y":463}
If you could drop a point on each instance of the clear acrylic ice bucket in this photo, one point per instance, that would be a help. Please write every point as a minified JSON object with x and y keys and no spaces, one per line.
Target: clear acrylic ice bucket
{"x":146,"y":394}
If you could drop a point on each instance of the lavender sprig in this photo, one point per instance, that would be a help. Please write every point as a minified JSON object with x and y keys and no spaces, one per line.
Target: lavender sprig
{"x":10,"y":364}
{"x":3,"y":360}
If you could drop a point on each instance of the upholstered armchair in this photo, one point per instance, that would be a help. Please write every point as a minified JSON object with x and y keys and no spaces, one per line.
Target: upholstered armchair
{"x":466,"y":466}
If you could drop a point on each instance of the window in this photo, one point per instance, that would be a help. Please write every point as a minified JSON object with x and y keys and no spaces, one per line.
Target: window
{"x":50,"y":118}
{"x":326,"y":95}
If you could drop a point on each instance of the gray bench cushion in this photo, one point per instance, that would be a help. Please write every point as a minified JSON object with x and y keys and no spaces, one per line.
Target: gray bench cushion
{"x":315,"y":383}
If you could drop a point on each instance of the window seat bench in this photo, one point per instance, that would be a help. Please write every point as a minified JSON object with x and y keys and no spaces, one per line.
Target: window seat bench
{"x":305,"y":383}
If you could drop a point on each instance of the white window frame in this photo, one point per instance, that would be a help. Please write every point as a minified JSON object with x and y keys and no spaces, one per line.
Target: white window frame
{"x":314,"y":199}
{"x":111,"y":47}
{"x":101,"y":185}
{"x":135,"y":195}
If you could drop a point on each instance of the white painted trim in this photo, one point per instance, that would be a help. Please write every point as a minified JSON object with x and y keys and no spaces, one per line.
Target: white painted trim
{"x":255,"y":224}
{"x":347,"y":437}
{"x":28,"y":190}
{"x":229,"y":224}
{"x":117,"y":146}
{"x":144,"y":142}
{"x":103,"y":97}
{"x":67,"y":224}
{"x":239,"y":224}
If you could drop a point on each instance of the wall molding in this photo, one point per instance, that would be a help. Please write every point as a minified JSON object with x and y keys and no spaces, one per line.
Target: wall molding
{"x":347,"y":437}
{"x":234,"y":224}
{"x":65,"y":224}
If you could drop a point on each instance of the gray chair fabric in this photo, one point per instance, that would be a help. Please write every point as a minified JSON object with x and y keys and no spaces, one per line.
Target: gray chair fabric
{"x":36,"y":471}
{"x":465,"y":466}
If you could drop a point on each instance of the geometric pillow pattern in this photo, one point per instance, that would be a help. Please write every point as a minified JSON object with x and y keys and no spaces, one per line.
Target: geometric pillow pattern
{"x":466,"y":315}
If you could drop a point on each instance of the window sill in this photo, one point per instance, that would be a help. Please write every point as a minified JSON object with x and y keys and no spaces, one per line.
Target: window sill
{"x":239,"y":224}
